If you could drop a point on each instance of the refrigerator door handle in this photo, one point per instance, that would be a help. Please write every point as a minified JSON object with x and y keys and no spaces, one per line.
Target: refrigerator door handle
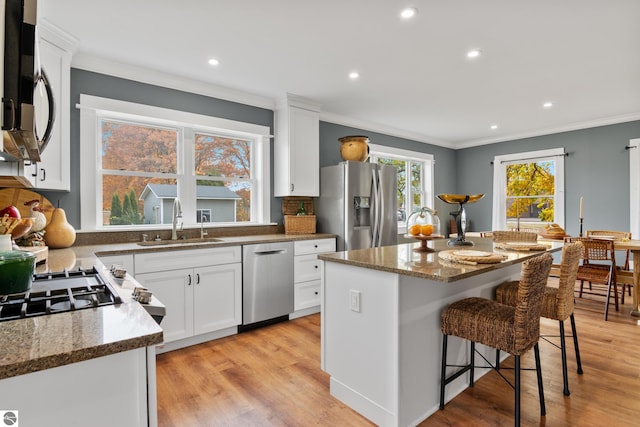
{"x":379,"y":209}
{"x":375,"y":193}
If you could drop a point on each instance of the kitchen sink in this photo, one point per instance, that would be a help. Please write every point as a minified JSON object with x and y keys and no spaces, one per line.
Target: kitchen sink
{"x":180,"y":241}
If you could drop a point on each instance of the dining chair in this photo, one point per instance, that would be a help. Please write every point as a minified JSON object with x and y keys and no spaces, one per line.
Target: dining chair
{"x":514,"y":236}
{"x":617,"y":236}
{"x":598,"y":266}
{"x":514,"y":329}
{"x":557,"y":304}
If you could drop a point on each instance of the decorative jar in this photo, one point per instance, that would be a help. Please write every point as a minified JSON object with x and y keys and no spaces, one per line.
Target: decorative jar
{"x":354,"y":148}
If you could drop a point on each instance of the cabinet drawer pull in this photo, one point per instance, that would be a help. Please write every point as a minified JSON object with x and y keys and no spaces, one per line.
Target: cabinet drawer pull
{"x":188,"y":280}
{"x":44,"y":174}
{"x":197,"y":278}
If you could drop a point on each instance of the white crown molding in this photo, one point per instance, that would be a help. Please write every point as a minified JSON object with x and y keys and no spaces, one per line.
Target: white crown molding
{"x":57,"y":36}
{"x":548,"y":131}
{"x":387,"y":130}
{"x":144,"y":75}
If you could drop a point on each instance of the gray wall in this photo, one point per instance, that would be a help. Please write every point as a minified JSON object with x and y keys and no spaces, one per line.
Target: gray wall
{"x":596,"y":168}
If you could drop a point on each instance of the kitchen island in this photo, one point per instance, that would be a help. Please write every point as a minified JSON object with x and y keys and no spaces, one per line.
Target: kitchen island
{"x":381,"y":339}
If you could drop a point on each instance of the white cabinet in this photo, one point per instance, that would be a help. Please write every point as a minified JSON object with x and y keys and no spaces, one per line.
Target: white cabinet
{"x":297,"y":156}
{"x":201,"y":288}
{"x":306,"y":272}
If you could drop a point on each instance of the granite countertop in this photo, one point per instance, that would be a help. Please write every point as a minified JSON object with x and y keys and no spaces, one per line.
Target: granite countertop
{"x":43,"y":342}
{"x":402,"y":259}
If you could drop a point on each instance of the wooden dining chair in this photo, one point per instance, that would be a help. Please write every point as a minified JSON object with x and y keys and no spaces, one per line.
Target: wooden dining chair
{"x":617,"y":236}
{"x":512,"y":329}
{"x":514,"y":236}
{"x":557,"y":304}
{"x":599,"y":267}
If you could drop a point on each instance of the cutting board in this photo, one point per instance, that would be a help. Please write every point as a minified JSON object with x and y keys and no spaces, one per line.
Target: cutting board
{"x":18,"y":196}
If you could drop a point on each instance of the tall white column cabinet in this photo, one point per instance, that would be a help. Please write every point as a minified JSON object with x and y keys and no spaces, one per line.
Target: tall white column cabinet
{"x":296,"y":149}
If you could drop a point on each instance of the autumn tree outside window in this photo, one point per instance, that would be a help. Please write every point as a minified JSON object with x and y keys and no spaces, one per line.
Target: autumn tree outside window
{"x":146,"y":156}
{"x":528,"y":190}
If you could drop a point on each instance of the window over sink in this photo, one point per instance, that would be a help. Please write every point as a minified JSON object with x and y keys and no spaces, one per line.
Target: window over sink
{"x":141,"y":158}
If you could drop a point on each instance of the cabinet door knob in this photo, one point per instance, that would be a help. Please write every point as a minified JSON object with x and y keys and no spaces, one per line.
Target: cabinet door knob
{"x":315,"y":266}
{"x":316,"y":292}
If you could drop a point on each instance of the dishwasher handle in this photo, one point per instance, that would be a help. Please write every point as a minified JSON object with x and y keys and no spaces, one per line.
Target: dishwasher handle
{"x":273,"y":252}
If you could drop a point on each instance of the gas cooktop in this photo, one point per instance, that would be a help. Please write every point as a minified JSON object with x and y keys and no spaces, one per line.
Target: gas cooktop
{"x":59,"y":292}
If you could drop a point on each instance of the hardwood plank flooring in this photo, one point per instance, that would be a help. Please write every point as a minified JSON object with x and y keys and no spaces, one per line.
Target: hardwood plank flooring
{"x":271,"y":377}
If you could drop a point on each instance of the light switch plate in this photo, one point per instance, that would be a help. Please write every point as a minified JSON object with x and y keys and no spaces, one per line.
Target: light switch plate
{"x":354,"y":300}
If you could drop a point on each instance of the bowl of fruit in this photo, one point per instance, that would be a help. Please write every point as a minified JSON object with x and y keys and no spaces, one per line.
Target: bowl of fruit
{"x":424,"y":225}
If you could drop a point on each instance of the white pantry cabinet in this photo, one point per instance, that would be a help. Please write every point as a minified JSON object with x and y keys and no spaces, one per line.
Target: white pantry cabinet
{"x":296,"y":150}
{"x":201,"y":288}
{"x":306,"y":273}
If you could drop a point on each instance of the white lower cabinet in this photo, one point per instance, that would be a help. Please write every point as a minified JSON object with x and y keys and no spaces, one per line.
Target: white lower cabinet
{"x":306,"y":273}
{"x":201,"y":288}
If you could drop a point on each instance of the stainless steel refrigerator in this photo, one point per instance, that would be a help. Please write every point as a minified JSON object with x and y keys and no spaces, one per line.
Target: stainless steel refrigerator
{"x":359,"y":203}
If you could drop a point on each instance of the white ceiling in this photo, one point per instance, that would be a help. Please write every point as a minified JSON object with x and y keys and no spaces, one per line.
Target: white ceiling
{"x":582,"y":55}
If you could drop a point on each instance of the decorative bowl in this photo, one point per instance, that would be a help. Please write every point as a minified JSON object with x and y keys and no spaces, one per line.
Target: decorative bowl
{"x":460,"y":198}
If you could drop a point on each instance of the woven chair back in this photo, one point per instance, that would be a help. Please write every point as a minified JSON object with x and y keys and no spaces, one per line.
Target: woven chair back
{"x":514,"y":236}
{"x":595,"y":249}
{"x":571,"y":254}
{"x":533,"y":281}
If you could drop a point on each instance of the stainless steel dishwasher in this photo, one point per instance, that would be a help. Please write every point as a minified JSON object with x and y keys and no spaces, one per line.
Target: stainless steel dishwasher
{"x":267,"y":282}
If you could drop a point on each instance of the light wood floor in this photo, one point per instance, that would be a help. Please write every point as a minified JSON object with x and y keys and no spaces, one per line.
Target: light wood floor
{"x":272,"y":377}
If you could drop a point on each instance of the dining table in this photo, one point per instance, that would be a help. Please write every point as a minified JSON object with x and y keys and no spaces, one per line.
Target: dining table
{"x":631,"y":277}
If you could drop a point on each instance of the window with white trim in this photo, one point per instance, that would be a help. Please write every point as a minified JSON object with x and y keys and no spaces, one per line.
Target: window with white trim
{"x":415,"y":179}
{"x":138,"y":159}
{"x":528,"y":190}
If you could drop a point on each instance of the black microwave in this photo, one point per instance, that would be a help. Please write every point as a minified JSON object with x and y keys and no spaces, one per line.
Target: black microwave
{"x":21,"y":74}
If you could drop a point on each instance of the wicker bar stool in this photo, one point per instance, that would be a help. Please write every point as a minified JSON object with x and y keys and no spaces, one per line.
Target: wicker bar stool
{"x":514,"y":236}
{"x":557,"y":303}
{"x":511,"y":329}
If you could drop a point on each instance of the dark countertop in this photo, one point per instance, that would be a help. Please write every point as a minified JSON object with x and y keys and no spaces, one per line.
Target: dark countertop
{"x":43,"y":342}
{"x":402,"y":259}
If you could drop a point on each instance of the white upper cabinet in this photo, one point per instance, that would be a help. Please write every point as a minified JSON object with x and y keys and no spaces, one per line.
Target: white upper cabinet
{"x":52,"y":173}
{"x":297,"y":143}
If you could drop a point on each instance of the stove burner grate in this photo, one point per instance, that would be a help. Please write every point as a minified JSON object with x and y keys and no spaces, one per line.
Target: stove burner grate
{"x":59,"y":292}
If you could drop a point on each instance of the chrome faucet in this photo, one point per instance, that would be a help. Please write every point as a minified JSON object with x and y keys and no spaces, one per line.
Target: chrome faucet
{"x":203,"y":232}
{"x":177,"y":213}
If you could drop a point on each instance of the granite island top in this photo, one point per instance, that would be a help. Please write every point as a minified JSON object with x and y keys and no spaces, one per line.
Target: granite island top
{"x":43,"y":342}
{"x":402,"y":259}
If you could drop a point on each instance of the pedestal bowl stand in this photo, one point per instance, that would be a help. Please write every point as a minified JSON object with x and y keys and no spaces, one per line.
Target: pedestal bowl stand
{"x":459,"y":215}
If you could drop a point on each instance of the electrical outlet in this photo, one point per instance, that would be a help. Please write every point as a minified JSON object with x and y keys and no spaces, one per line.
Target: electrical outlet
{"x":354,"y":300}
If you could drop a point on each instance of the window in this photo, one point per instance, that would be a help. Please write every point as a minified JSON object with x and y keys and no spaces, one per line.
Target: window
{"x":528,"y":190}
{"x":415,"y":179}
{"x":145,"y":157}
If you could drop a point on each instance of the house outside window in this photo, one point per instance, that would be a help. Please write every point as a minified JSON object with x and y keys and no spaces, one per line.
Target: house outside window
{"x":146,"y":157}
{"x":415,"y":179}
{"x":528,"y":190}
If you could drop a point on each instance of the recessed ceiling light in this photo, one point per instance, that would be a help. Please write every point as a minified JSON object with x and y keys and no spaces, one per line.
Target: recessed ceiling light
{"x":474,"y":53}
{"x":214,"y":62}
{"x":354,"y":75}
{"x":494,"y":127}
{"x":547,"y":104}
{"x":408,"y":12}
